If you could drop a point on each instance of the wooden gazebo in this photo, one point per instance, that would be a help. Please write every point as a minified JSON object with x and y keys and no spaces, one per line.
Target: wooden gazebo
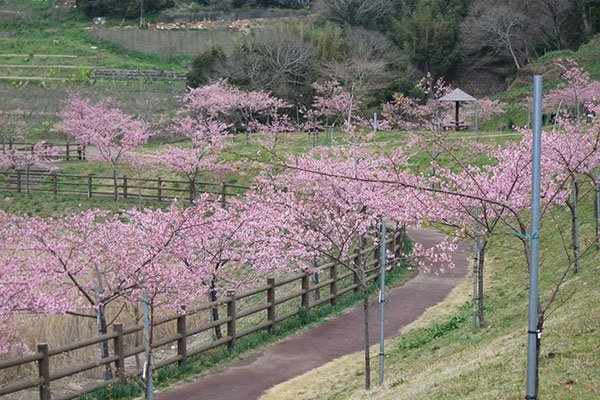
{"x":457,"y":96}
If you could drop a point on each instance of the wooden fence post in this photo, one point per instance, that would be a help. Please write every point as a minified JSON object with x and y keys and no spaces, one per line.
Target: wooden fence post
{"x":68,"y":156}
{"x":271,"y":300}
{"x":231,"y":322}
{"x":19,"y":181}
{"x":90,"y":186}
{"x":305,"y":296}
{"x":357,"y":262}
{"x":125,"y":186}
{"x":182,"y":341}
{"x":159,"y":187}
{"x":44,"y":371}
{"x":223,"y":194}
{"x":119,"y":351}
{"x":55,"y":184}
{"x":333,"y":285}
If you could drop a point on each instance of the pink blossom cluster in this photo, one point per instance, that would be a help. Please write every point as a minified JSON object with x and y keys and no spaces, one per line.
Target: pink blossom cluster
{"x":575,"y":87}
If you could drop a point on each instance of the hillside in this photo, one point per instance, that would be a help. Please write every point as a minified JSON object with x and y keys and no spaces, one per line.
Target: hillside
{"x":439,"y":357}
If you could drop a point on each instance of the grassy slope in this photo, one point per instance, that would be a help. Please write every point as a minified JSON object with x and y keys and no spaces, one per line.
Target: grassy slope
{"x":588,"y":56}
{"x":490,"y":364}
{"x":296,"y":143}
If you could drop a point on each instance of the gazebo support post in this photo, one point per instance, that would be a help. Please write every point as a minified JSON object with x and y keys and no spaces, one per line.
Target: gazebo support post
{"x":456,"y":127}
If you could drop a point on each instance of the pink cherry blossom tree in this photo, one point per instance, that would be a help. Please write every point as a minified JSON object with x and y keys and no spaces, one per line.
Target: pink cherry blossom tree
{"x":575,"y":87}
{"x":74,"y":250}
{"x":484,"y":108}
{"x":334,"y":104}
{"x":114,"y":133}
{"x":208,"y":139}
{"x":573,"y":151}
{"x":25,"y":288}
{"x":333,"y":202}
{"x":228,"y":104}
{"x":401,"y":112}
{"x":232,"y":251}
{"x":271,"y":131}
{"x":140,"y":249}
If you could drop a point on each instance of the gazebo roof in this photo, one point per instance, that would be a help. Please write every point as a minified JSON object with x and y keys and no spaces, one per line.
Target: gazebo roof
{"x":457,"y":95}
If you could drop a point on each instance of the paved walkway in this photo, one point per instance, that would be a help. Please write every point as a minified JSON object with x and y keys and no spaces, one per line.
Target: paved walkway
{"x":317,"y":346}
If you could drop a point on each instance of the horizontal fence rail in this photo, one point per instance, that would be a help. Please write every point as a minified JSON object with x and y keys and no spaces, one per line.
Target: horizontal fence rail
{"x":66,"y":151}
{"x":103,"y":186}
{"x":338,"y":284}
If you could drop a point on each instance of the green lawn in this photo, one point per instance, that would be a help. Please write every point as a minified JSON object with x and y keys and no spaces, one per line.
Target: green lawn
{"x":248,"y":164}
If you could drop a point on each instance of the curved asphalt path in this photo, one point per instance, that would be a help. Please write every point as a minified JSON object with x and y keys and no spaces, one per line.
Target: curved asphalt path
{"x":317,"y":346}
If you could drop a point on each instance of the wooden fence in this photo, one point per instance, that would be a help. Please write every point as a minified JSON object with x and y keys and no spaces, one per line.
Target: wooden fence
{"x":66,"y":151}
{"x":339,"y":283}
{"x":103,"y":186}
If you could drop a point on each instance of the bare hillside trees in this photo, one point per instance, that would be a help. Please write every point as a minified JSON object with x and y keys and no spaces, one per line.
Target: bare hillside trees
{"x":277,"y":61}
{"x":368,"y":66}
{"x":354,"y":12}
{"x":498,"y":27}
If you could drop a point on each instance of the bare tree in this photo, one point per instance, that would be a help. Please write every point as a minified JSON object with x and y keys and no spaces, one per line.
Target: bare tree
{"x":277,"y":60}
{"x":500,"y":26}
{"x":353,"y":12}
{"x":548,"y":17}
{"x":368,"y":65}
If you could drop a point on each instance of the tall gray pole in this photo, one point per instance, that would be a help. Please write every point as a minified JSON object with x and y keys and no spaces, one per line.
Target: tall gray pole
{"x":375,"y":122}
{"x":533,"y":333}
{"x":148,"y":364}
{"x":382,"y":304}
{"x":475,"y":267}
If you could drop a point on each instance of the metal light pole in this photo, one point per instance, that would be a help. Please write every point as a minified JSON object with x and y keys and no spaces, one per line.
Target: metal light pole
{"x":533,"y":335}
{"x":382,"y":304}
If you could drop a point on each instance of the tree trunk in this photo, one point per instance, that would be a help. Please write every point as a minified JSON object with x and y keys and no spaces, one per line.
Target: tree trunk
{"x":102,"y":330}
{"x":138,"y":336}
{"x":538,"y":345}
{"x":147,"y":366}
{"x":116,"y":183}
{"x":215,"y":310}
{"x":194,"y":191}
{"x":512,"y":52}
{"x":27,"y":181}
{"x":102,"y":325}
{"x":575,"y":224}
{"x":584,"y":18}
{"x":367,"y":352}
{"x":483,"y":244}
{"x":475,"y":280}
{"x":597,"y":209}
